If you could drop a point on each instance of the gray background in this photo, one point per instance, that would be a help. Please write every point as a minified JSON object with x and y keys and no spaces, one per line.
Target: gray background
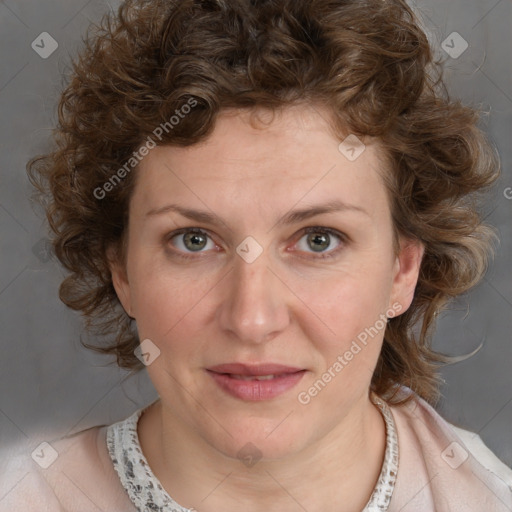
{"x":52,"y":386}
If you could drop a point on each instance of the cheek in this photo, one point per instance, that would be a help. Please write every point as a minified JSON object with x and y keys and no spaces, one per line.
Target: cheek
{"x":348,"y":303}
{"x":347,"y":329}
{"x":348,"y":313}
{"x":167,"y":302}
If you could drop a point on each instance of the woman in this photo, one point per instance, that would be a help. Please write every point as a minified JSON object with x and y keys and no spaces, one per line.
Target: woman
{"x":266,"y":204}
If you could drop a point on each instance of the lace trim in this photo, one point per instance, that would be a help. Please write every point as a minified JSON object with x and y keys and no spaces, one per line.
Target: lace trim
{"x":148,"y":494}
{"x":142,"y":486}
{"x":381,"y":497}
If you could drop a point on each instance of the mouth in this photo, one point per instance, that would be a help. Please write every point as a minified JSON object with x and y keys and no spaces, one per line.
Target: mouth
{"x":258,"y":377}
{"x":255,"y":382}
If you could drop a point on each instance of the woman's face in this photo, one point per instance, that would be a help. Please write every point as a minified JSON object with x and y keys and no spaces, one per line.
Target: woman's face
{"x":263,"y":251}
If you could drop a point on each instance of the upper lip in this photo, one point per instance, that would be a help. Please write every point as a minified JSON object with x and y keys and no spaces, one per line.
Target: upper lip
{"x":254,"y":369}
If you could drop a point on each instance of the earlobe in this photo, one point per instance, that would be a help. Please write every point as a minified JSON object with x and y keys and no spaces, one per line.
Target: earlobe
{"x":407,"y":269}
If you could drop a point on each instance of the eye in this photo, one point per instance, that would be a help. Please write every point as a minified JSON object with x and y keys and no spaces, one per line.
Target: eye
{"x":320,"y":240}
{"x":191,"y":240}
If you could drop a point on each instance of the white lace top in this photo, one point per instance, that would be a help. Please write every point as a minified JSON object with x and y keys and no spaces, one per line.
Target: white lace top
{"x":148,"y":495}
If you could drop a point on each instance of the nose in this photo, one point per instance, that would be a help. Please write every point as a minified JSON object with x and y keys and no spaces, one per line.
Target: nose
{"x":254,"y":308}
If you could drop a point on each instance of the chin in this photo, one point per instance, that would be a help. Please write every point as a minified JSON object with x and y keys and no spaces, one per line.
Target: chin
{"x":253,"y":438}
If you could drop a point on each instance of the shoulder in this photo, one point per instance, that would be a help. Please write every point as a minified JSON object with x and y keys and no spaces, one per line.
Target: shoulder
{"x":447,"y":467}
{"x":483,"y":454}
{"x":70,"y":474}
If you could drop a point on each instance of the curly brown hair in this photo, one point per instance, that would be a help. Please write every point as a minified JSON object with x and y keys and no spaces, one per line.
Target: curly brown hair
{"x":367,"y":61}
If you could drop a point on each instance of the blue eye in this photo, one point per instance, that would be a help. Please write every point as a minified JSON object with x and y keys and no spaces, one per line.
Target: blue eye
{"x":323,"y":241}
{"x":191,"y":240}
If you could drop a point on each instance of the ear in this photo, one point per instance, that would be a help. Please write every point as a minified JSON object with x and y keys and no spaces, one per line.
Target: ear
{"x":406,"y":272}
{"x":120,"y":280}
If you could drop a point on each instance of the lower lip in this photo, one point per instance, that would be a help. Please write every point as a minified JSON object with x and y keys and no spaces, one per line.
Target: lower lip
{"x":256,"y":390}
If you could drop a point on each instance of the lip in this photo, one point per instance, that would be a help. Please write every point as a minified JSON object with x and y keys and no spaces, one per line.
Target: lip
{"x":285,"y":378}
{"x":253,"y":369}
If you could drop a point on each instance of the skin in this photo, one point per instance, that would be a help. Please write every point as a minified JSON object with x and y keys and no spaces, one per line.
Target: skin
{"x":289,"y":306}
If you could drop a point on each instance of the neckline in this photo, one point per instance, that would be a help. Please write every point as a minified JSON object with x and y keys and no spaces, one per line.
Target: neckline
{"x":147,"y":493}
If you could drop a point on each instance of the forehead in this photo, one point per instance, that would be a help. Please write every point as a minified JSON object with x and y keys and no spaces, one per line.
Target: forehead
{"x":256,"y":158}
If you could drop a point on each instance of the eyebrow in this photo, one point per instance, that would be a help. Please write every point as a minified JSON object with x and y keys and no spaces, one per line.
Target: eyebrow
{"x":292,"y":217}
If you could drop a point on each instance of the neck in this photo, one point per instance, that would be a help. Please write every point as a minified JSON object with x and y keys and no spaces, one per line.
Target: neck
{"x":340,"y":468}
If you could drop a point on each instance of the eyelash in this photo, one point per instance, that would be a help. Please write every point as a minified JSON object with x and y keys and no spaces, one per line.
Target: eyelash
{"x":312,"y":229}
